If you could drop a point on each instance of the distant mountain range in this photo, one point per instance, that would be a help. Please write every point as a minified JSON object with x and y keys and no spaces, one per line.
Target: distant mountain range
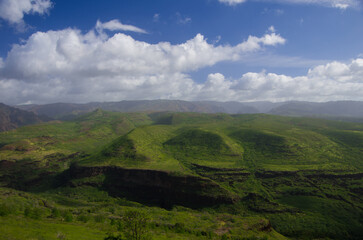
{"x":11,"y":118}
{"x":333,"y":109}
{"x":64,"y":110}
{"x":348,"y":109}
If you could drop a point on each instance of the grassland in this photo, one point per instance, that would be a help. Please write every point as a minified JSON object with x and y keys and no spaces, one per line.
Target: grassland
{"x":252,"y":141}
{"x":271,"y":177}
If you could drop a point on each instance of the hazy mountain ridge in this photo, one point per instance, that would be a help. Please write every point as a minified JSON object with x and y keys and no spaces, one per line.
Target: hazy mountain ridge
{"x":338,"y":108}
{"x":349,"y":109}
{"x":11,"y":118}
{"x":59,"y":110}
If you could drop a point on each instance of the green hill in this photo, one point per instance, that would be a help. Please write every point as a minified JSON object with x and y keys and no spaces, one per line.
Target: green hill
{"x":197,"y":176}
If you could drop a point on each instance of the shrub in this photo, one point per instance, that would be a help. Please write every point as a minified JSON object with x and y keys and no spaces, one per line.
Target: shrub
{"x":83,"y":218}
{"x":99,"y":218}
{"x":179,"y":227}
{"x":34,"y":213}
{"x":68,"y":217}
{"x":135,"y":225}
{"x":55,"y":213}
{"x":112,"y":237}
{"x":4,"y":209}
{"x":224,"y":237}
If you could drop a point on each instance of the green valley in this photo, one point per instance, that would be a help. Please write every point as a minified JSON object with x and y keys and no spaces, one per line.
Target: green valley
{"x":182,"y":176}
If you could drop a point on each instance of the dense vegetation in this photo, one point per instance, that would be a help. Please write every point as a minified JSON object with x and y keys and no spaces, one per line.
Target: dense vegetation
{"x":109,"y":175}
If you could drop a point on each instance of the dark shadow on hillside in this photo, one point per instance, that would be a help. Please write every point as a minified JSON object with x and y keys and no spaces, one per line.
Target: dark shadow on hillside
{"x":150,"y":187}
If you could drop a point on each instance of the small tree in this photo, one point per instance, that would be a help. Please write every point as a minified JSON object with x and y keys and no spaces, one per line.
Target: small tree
{"x":136,"y":225}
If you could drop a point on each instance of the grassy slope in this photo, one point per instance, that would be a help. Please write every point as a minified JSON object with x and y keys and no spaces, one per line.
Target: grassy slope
{"x":253,"y":141}
{"x":304,"y":204}
{"x":88,"y":213}
{"x":87,"y":134}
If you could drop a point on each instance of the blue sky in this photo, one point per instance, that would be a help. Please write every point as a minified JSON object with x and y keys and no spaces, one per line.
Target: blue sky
{"x":224,"y":50}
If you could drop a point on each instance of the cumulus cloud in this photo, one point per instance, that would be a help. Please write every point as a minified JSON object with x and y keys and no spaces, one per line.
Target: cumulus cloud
{"x":71,"y":66}
{"x":68,"y":65}
{"x":116,"y":25}
{"x":341,"y":4}
{"x":254,"y":43}
{"x":331,"y":81}
{"x":13,"y":11}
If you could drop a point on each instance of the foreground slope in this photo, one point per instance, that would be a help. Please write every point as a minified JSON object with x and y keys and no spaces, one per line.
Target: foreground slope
{"x":244,"y":175}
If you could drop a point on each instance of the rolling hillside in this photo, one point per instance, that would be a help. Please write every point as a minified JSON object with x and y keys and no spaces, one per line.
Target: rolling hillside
{"x":197,"y":176}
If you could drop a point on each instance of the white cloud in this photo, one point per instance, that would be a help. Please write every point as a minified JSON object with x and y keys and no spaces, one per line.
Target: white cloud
{"x":217,"y":39}
{"x":232,"y":2}
{"x":332,"y":81}
{"x":156,"y":17}
{"x":254,"y":43}
{"x":272,"y":29}
{"x":276,"y":12}
{"x":116,"y":25}
{"x":267,"y":59}
{"x":341,"y":4}
{"x":13,"y":11}
{"x":68,"y":65}
{"x":183,"y":19}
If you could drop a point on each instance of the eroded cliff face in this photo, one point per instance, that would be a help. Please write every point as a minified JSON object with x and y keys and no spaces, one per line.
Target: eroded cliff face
{"x":153,"y":187}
